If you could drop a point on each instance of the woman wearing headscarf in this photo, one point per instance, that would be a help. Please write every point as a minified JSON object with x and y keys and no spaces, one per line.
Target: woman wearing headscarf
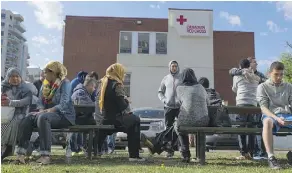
{"x":114,"y":107}
{"x":14,"y":94}
{"x":193,"y":100}
{"x":55,"y":111}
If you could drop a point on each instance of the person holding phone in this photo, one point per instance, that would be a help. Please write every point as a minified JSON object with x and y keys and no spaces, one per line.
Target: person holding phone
{"x":15,"y":93}
{"x":275,"y":98}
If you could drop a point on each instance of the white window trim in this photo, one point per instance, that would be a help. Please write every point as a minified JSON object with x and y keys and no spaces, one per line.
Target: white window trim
{"x":152,"y":42}
{"x":120,"y":42}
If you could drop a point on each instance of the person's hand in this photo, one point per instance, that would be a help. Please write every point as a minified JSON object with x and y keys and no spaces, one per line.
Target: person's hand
{"x":128,"y":99}
{"x":5,"y":101}
{"x":281,"y":121}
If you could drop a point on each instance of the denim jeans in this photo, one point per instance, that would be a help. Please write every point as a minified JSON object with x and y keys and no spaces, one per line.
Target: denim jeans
{"x":44,"y":122}
{"x":244,"y":144}
{"x":111,"y":141}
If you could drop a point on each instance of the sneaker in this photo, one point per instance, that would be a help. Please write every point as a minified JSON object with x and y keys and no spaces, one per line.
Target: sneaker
{"x":289,"y":158}
{"x":246,"y":156}
{"x":273,"y":163}
{"x":138,"y":159}
{"x":257,"y":158}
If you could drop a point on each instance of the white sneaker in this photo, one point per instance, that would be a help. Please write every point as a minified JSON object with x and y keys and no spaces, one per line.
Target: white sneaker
{"x":139,"y":159}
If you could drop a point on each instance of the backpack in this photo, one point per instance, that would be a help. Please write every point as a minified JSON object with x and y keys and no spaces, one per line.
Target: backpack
{"x":219,"y":117}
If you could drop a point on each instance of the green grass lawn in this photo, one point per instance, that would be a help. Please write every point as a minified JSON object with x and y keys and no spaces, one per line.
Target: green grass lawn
{"x":219,"y":161}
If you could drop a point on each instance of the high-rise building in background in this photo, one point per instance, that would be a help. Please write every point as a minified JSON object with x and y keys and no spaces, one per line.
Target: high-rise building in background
{"x":14,"y":50}
{"x":34,"y":73}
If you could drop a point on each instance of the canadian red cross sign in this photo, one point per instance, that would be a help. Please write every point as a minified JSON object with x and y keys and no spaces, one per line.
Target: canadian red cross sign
{"x":190,"y":22}
{"x":181,"y":20}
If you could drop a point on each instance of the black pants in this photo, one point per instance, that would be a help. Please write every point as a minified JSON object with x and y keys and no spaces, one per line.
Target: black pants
{"x":44,"y":122}
{"x":128,"y":123}
{"x":244,"y":146}
{"x":163,"y":141}
{"x":170,"y":114}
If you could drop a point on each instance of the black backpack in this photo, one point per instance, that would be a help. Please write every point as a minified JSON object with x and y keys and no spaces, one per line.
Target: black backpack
{"x":219,"y":117}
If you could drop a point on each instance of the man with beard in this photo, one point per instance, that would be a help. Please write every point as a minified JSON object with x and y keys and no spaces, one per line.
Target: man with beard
{"x":167,"y":94}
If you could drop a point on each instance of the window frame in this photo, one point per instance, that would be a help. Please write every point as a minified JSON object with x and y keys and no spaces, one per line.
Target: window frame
{"x":131,"y":32}
{"x":149,"y":34}
{"x":156,"y":43}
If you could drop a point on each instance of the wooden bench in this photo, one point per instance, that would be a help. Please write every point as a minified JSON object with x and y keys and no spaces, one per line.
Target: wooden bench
{"x":201,"y":132}
{"x":90,"y":129}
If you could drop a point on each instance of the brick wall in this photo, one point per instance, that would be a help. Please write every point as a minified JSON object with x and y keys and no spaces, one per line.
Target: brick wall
{"x":92,"y":44}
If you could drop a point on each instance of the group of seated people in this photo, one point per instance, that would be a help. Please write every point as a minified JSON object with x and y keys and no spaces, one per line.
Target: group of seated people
{"x":55,"y":109}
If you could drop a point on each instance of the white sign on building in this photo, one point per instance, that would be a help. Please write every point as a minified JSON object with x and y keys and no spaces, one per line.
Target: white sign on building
{"x":190,"y":23}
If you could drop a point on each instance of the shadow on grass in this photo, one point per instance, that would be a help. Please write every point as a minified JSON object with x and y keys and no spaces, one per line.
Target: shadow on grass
{"x":122,"y":160}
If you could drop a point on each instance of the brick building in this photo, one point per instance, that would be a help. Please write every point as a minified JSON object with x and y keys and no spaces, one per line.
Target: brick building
{"x":93,"y":43}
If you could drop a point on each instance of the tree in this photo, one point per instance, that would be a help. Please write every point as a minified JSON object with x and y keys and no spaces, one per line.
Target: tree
{"x":286,"y":59}
{"x":289,"y":44}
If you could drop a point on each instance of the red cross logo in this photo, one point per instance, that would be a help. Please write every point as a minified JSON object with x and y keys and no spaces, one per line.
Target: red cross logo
{"x":181,"y":20}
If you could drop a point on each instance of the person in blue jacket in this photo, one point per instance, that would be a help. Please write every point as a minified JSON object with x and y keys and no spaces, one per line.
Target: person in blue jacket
{"x":79,"y":79}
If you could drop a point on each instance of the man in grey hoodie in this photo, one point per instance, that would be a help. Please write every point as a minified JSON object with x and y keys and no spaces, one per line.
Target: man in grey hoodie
{"x":275,"y":99}
{"x":167,"y":94}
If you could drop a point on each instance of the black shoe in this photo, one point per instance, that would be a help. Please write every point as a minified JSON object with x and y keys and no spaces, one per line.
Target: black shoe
{"x":273,"y":163}
{"x":186,"y":160}
{"x":289,"y":158}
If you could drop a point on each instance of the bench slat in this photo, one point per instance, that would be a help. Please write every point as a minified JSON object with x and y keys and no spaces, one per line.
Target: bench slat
{"x":92,"y":127}
{"x":229,"y":130}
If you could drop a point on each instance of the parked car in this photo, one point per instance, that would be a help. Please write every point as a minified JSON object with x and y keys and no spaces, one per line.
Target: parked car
{"x":152,"y":123}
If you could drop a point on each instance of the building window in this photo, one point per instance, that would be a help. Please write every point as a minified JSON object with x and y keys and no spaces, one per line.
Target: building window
{"x":161,"y":43}
{"x":2,"y":33}
{"x":127,"y":84}
{"x":10,"y":17}
{"x":1,"y":42}
{"x":125,"y":42}
{"x":3,"y":15}
{"x":143,"y":43}
{"x":2,"y":24}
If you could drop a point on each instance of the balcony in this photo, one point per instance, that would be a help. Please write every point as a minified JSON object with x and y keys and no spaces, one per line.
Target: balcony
{"x":13,"y":39}
{"x":17,"y":33}
{"x":12,"y":48}
{"x":19,"y":26}
{"x":27,"y":63}
{"x":12,"y":56}
{"x":18,"y":17}
{"x":28,"y":56}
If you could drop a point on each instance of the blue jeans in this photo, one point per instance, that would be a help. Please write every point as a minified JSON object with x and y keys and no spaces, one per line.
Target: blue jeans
{"x":76,"y":142}
{"x":277,"y":126}
{"x":111,"y":141}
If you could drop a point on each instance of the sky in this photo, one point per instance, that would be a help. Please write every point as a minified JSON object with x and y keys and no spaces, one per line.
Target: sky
{"x":270,"y":21}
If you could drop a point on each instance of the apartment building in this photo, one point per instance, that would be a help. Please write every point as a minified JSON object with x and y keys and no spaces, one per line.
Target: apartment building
{"x":14,"y":50}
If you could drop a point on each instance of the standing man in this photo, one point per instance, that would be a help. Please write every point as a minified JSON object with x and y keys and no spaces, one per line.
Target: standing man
{"x":275,"y":99}
{"x":260,"y":152}
{"x":245,"y":87}
{"x":167,"y":95}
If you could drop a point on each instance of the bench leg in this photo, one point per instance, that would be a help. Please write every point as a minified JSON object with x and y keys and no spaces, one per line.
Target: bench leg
{"x":90,"y":142}
{"x":197,"y":146}
{"x":202,"y":148}
{"x":96,"y":136}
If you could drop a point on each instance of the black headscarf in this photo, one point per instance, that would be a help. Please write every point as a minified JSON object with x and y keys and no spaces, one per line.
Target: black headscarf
{"x":188,"y":77}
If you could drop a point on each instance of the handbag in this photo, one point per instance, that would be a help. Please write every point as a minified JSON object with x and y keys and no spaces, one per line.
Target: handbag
{"x":7,"y":114}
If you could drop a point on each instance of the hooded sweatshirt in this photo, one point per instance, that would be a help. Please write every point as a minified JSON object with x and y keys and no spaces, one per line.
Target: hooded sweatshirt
{"x":167,"y":89}
{"x":276,"y":98}
{"x":81,"y":95}
{"x":79,"y":79}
